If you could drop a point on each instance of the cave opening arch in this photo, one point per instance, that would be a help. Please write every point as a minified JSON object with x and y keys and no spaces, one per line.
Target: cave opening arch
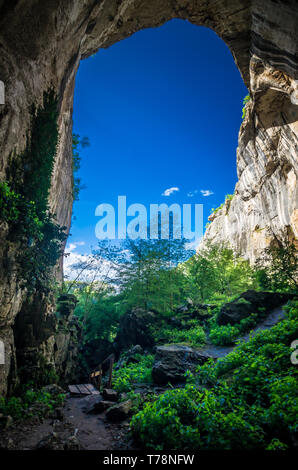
{"x":153,"y":105}
{"x":44,"y":52}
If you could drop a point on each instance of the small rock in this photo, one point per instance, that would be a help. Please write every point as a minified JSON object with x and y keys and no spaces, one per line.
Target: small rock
{"x":100,"y":407}
{"x":87,"y":404}
{"x":110,"y":395}
{"x":119,"y":412}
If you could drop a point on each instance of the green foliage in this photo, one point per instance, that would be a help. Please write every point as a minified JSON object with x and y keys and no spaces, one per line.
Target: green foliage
{"x":189,"y":419}
{"x":194,"y":336}
{"x":278,"y":268}
{"x":24,"y":199}
{"x":228,"y":197}
{"x":78,"y":144}
{"x":276,"y":444}
{"x":245,"y":101}
{"x":39,"y":156}
{"x":133,"y":373}
{"x":146,"y":272}
{"x":217,"y":271}
{"x":224,"y":335}
{"x":31,"y":402}
{"x":227,"y":334}
{"x":251,"y":402}
{"x":138,"y":399}
{"x":97,"y":310}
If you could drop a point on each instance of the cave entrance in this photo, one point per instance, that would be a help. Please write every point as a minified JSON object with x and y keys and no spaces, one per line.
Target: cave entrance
{"x":162,"y":111}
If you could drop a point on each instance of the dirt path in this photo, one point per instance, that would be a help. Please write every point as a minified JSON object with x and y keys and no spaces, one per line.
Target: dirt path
{"x":272,"y":319}
{"x":93,"y":430}
{"x":74,"y":429}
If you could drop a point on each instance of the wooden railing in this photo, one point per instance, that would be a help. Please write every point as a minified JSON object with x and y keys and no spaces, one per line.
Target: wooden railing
{"x":96,"y":375}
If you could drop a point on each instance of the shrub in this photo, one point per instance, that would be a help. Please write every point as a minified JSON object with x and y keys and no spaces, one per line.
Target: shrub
{"x":139,"y":372}
{"x":245,"y":101}
{"x":28,"y":403}
{"x":224,"y":335}
{"x":188,"y":419}
{"x":193,"y":336}
{"x":252,"y":402}
{"x":227,"y":334}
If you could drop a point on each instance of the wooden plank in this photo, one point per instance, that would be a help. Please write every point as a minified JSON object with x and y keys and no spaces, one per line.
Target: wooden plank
{"x":83,"y":390}
{"x":74,"y":389}
{"x":92,"y":389}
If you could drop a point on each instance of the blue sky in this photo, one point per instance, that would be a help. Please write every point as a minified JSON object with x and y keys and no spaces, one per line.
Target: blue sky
{"x":162,"y":109}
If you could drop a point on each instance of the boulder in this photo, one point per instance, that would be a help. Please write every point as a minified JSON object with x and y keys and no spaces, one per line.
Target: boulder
{"x":119,"y":412}
{"x":193,"y":310}
{"x":130,"y":356}
{"x":90,"y":403}
{"x":250,"y":302}
{"x":172,"y":362}
{"x":100,"y":407}
{"x":134,"y":330}
{"x":109,"y":394}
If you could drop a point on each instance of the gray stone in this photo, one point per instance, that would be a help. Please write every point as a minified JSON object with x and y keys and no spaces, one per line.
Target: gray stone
{"x":250,"y":302}
{"x":119,"y":412}
{"x":172,"y":362}
{"x":109,"y":394}
{"x":100,"y":407}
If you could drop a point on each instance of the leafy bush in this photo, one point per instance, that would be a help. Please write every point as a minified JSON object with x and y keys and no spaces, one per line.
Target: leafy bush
{"x":139,"y":372}
{"x":31,"y":402}
{"x":194,"y":336}
{"x":227,"y":334}
{"x":252,"y":402}
{"x":278,"y":268}
{"x":245,"y":101}
{"x":228,"y":197}
{"x":24,"y":199}
{"x":224,"y":335}
{"x":188,"y":419}
{"x":216,"y":271}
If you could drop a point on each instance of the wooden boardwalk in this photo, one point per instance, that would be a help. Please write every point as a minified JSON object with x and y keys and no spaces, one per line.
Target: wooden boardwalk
{"x":83,"y":389}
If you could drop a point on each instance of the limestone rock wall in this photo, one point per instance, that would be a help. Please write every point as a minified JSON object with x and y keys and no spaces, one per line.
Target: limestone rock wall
{"x":264,"y":206}
{"x":41,"y":45}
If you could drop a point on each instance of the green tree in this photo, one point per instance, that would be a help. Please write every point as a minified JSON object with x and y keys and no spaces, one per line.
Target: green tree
{"x":217,"y":270}
{"x":277,"y":268}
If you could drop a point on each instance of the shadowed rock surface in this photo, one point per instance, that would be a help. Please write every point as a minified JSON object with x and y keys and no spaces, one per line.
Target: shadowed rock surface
{"x":250,"y":302}
{"x":172,"y":362}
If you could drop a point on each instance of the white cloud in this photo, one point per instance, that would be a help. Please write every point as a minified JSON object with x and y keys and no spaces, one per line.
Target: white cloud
{"x":192,"y":193}
{"x":86,"y":267}
{"x":206,"y":192}
{"x":72,"y":246}
{"x":170,"y":191}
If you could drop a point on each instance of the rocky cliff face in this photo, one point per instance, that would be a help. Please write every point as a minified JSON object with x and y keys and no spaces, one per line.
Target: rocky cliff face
{"x":41,"y":45}
{"x":264,"y":206}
